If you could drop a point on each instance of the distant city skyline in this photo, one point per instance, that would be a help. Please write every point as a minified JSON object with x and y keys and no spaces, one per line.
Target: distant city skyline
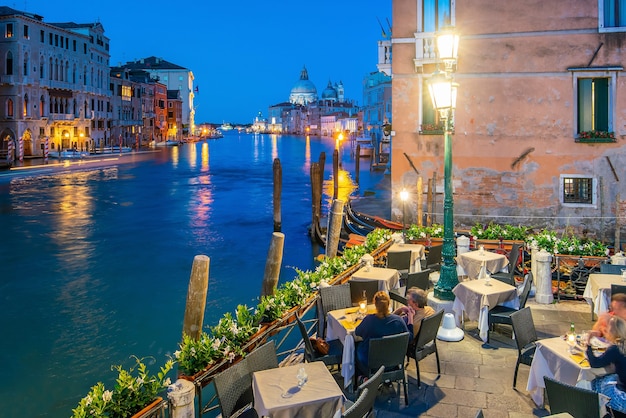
{"x":245,"y":56}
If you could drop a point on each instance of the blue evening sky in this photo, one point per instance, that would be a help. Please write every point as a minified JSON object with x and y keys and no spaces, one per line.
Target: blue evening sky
{"x":245,"y":55}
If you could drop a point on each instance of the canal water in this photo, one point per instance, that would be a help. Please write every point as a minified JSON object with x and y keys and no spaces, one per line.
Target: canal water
{"x":95,"y":258}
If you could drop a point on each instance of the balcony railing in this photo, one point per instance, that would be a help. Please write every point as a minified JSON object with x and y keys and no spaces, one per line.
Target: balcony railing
{"x":6,"y":79}
{"x":61,"y":116}
{"x":425,"y":49}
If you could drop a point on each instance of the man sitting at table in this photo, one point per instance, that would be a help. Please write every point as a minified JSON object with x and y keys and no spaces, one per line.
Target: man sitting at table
{"x":378,"y":325}
{"x":618,"y":308}
{"x":416,"y":308}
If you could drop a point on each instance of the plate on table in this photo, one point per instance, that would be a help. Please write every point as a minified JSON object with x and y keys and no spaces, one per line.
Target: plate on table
{"x":599,"y":343}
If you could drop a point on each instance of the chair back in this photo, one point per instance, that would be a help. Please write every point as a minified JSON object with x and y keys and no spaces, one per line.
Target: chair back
{"x":428,"y":329}
{"x":399,"y":260}
{"x":513,"y":258}
{"x":617,"y":288}
{"x":388,"y":351}
{"x":371,"y":385}
{"x":359,"y":408}
{"x":523,"y":328}
{"x":335,"y":297}
{"x":419,"y":279}
{"x":233,"y":388}
{"x":263,"y":357}
{"x":576,"y":401}
{"x":611,"y":268}
{"x":433,"y":258}
{"x":357,"y":287}
{"x":309,"y":352}
{"x":523,"y":298}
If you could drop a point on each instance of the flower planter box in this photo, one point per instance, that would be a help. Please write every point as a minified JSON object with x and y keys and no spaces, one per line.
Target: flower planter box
{"x":152,"y":410}
{"x":427,"y":242}
{"x":497,"y":245}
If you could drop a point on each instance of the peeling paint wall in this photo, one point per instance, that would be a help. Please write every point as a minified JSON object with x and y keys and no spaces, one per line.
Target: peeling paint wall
{"x":515,"y":123}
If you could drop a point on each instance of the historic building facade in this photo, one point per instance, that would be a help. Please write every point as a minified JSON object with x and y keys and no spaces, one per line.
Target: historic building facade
{"x":538,"y":132}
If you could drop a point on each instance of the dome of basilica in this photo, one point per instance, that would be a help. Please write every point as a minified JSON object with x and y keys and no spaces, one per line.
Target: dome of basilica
{"x":329,"y":92}
{"x":303,"y":91}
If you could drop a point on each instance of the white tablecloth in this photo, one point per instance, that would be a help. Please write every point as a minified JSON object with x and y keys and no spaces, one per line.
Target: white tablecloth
{"x":471,"y":262}
{"x":475,"y":298}
{"x":598,"y":291}
{"x":320,"y":397}
{"x":553,"y":359}
{"x":387,"y":278}
{"x":417,"y":254}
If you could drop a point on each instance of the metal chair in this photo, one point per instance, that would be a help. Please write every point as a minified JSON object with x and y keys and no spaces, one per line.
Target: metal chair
{"x":401,"y":261}
{"x":509,"y":277}
{"x":233,"y":388}
{"x":418,"y":279}
{"x":388,"y":351}
{"x":371,"y":385}
{"x":335,"y":348}
{"x":611,"y":268}
{"x":502,"y":314}
{"x":357,"y":287}
{"x":433,"y":258}
{"x":358,"y":409}
{"x":617,"y":288}
{"x":263,"y":357}
{"x":576,"y":401}
{"x":331,"y":298}
{"x":525,"y":338}
{"x":425,"y":342}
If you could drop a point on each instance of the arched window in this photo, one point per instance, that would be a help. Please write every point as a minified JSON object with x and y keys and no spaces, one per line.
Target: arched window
{"x":61,"y":71}
{"x":42,"y":103}
{"x":74,"y":74}
{"x":26,"y":64}
{"x":25,"y":109}
{"x":50,"y":69}
{"x":10,"y":108}
{"x":85,"y":76}
{"x":9,"y":63}
{"x":42,"y":65}
{"x":66,"y":73}
{"x":56,"y":70}
{"x":76,"y":113}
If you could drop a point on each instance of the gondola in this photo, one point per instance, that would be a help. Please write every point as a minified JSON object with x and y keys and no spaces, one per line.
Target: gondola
{"x":370,"y":221}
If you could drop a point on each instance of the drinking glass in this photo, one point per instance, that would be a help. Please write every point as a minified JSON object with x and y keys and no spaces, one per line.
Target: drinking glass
{"x":302,"y":377}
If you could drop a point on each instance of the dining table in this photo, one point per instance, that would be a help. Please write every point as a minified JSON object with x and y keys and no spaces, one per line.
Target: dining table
{"x":472,"y":262}
{"x":474,"y":298}
{"x":341,"y":324}
{"x":277,"y":394}
{"x":553,"y":358}
{"x":417,"y":254}
{"x":598,"y":291}
{"x":387,"y":278}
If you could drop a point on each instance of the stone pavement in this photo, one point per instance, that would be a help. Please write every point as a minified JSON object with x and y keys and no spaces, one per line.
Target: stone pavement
{"x":475,"y":376}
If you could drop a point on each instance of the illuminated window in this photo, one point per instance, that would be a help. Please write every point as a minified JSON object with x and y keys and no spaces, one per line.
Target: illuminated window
{"x":577,"y":190}
{"x":10,"y":108}
{"x":436,"y":14}
{"x":26,"y":34}
{"x":9,"y":30}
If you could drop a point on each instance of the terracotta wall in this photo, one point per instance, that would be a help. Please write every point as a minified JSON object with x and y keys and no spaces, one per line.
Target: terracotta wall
{"x":515,"y":121}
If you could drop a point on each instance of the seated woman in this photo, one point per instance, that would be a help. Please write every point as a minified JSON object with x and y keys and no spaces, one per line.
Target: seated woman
{"x":617,"y":308}
{"x":611,"y":385}
{"x":378,"y":325}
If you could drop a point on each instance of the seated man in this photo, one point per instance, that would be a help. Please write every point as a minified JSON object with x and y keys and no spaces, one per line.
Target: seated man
{"x":416,"y":309}
{"x":377,"y":325}
{"x":618,"y":308}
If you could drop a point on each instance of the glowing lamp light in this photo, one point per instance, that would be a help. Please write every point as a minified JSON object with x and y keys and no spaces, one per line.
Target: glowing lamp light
{"x":448,"y":47}
{"x":443,"y":91}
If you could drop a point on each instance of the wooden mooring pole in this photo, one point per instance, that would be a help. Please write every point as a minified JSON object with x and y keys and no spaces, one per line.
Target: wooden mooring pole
{"x":315,"y":196}
{"x":335,"y":173}
{"x":196,"y":297}
{"x":273,"y":263}
{"x":357,"y":163}
{"x":278,"y":188}
{"x":335,"y":217}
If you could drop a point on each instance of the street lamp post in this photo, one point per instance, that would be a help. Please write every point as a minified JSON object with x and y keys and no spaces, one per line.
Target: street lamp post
{"x":443,"y":92}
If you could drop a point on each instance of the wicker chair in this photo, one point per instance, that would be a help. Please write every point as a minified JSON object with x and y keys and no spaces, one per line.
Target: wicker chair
{"x":357,"y":287}
{"x":509,"y":277}
{"x":502,"y":314}
{"x":418,"y":279}
{"x":263,"y":357}
{"x":331,"y":298}
{"x":433,"y":258}
{"x":371,"y":385}
{"x":576,"y":401}
{"x":388,"y":351}
{"x":335,"y":348}
{"x":425,"y":342}
{"x":233,"y":388}
{"x":401,"y":261}
{"x":358,"y":409}
{"x":525,"y":338}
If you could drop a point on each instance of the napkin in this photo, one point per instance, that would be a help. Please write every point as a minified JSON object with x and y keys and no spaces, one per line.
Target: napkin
{"x":348,"y":324}
{"x":580,"y":359}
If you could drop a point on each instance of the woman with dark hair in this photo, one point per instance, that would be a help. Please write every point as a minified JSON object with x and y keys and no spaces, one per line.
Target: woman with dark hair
{"x":378,"y":325}
{"x":611,"y":385}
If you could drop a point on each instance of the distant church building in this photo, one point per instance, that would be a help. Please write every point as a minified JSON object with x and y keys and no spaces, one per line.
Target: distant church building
{"x":304,"y":91}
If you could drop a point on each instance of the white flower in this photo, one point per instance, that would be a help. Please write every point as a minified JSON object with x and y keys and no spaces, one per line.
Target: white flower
{"x":231,"y":356}
{"x":140,"y":380}
{"x":177,"y":353}
{"x":88,"y":400}
{"x":107,"y":395}
{"x":167,"y":382}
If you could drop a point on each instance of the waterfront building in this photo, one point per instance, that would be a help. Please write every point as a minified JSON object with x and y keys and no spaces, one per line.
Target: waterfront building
{"x":174,"y":77}
{"x":174,"y":120}
{"x":126,"y":101}
{"x":376,"y":106}
{"x":538,"y":132}
{"x":160,"y":112}
{"x":54,"y":84}
{"x":260,"y":124}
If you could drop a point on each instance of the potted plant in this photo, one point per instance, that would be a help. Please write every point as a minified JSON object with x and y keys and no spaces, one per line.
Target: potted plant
{"x":135,"y":389}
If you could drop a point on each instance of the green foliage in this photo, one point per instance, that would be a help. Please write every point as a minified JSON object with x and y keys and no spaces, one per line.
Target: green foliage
{"x":416,"y":232}
{"x":567,"y":244}
{"x":495,"y":231}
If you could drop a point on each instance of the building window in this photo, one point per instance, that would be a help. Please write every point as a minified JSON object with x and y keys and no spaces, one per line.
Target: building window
{"x":9,"y":30}
{"x":42,"y":36}
{"x":26,"y":34}
{"x":10,"y":108}
{"x":9,"y":63}
{"x":437,"y":14}
{"x":577,"y":190}
{"x":594,"y":100}
{"x":612,"y":14}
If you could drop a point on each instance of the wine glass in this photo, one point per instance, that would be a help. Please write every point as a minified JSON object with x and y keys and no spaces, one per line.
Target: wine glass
{"x":302,"y":377}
